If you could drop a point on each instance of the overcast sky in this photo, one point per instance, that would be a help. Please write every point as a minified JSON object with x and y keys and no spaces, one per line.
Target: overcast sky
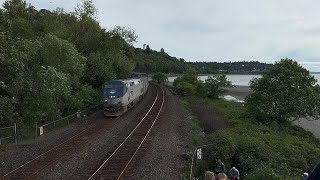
{"x":216,"y":30}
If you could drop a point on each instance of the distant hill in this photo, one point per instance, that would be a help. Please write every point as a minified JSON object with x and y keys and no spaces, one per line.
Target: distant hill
{"x":241,"y":67}
{"x":151,"y":61}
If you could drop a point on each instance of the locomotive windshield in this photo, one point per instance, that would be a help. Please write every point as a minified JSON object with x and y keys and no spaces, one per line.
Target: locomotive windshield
{"x":114,"y":89}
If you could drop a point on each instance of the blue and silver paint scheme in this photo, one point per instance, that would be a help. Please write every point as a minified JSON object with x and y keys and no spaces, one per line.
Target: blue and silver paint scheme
{"x":120,"y":95}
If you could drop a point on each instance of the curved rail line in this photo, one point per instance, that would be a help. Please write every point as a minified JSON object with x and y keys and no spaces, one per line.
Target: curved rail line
{"x":117,"y":163}
{"x":35,"y":166}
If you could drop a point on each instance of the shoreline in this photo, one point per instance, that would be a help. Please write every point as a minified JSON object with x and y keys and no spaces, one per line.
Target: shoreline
{"x":312,"y":125}
{"x":239,"y":92}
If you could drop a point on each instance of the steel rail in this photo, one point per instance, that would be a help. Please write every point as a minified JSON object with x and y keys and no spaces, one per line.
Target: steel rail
{"x":6,"y":127}
{"x":43,"y":154}
{"x":125,"y":140}
{"x":143,"y":138}
{"x":7,"y":176}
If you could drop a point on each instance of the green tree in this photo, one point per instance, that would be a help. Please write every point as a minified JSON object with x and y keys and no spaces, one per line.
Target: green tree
{"x":126,"y":33}
{"x":85,"y":10}
{"x":216,"y":85}
{"x":286,"y":91}
{"x":187,"y":83}
{"x":148,"y":50}
{"x":185,"y":89}
{"x":160,"y":78}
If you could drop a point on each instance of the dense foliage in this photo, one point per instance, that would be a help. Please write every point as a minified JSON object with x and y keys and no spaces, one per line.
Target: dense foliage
{"x":189,"y":84}
{"x":277,"y":151}
{"x":160,"y":78}
{"x":53,"y":62}
{"x":285,"y":91}
{"x":151,"y":61}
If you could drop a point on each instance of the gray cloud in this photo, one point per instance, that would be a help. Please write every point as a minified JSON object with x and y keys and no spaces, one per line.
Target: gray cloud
{"x":212,"y":30}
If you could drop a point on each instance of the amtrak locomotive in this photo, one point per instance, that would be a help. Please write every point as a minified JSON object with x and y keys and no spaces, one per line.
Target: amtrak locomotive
{"x":120,"y":95}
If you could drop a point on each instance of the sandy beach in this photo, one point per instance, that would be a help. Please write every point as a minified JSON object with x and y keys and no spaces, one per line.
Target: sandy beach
{"x":240,"y":92}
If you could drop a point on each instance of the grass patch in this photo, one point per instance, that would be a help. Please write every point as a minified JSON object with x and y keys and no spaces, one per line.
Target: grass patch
{"x":185,"y":103}
{"x":196,"y":129}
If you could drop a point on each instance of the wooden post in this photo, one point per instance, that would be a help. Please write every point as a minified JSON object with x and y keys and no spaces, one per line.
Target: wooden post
{"x":15,"y":133}
{"x":36,"y":131}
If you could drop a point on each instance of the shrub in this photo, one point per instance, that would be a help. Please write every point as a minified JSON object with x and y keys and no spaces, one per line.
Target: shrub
{"x":286,"y":91}
{"x":159,"y":78}
{"x":264,"y":173}
{"x":185,"y":89}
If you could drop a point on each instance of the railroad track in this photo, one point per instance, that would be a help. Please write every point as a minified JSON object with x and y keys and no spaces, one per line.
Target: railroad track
{"x":117,"y":163}
{"x":36,"y":166}
{"x":33,"y":168}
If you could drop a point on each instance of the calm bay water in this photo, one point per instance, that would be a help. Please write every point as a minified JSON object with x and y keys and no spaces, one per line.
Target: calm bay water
{"x":241,"y":79}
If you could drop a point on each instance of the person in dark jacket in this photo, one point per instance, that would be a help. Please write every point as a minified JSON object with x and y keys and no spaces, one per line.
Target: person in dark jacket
{"x":219,"y":168}
{"x":234,"y":173}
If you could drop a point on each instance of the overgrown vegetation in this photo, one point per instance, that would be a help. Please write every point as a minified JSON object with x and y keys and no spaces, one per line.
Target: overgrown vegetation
{"x":277,"y":151}
{"x":55,"y":62}
{"x":286,"y":91}
{"x":160,"y":78}
{"x":188,"y":84}
{"x":151,"y":61}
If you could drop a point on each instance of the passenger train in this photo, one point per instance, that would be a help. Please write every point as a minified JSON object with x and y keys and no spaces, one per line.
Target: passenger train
{"x":120,"y":95}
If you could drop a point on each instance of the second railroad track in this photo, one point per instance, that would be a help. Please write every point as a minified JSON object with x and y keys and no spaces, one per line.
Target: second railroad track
{"x":117,"y":163}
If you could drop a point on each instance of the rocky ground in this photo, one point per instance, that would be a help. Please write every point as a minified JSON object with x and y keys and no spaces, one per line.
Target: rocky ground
{"x":171,"y":144}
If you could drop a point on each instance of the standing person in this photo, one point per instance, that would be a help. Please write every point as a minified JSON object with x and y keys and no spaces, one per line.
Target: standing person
{"x":219,"y":168}
{"x":234,"y":173}
{"x":305,"y":176}
{"x":209,"y":176}
{"x":78,"y":114}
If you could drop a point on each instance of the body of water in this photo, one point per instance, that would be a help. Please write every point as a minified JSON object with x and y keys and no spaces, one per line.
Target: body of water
{"x":240,"y":79}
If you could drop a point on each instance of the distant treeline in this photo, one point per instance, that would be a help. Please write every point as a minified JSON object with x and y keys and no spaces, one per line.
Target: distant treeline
{"x":241,"y":67}
{"x":150,"y":61}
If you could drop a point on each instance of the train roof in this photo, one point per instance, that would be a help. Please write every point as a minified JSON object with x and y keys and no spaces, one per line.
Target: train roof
{"x":124,"y":81}
{"x":136,"y":75}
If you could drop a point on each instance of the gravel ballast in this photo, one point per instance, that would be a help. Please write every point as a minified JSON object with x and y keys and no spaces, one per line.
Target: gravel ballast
{"x":170,"y":142}
{"x":91,"y":154}
{"x":14,"y":156}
